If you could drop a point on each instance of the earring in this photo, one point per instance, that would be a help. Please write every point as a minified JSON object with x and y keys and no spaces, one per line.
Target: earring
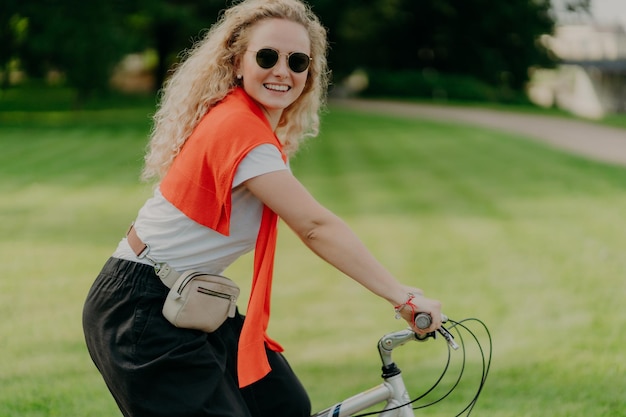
{"x":239,"y":76}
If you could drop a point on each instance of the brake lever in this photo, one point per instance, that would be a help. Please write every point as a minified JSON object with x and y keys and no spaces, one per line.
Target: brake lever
{"x":448,"y":336}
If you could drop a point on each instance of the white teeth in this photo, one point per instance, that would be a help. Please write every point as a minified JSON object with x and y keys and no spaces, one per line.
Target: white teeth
{"x":277,"y":87}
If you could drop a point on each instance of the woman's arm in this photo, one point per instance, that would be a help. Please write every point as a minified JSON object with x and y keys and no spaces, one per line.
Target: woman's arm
{"x":331,"y":238}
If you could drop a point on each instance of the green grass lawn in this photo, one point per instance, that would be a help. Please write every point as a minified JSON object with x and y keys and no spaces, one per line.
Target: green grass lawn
{"x":528,"y":239}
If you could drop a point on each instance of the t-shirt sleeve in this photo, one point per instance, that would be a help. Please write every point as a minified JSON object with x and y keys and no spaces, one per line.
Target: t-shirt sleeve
{"x":260,"y":160}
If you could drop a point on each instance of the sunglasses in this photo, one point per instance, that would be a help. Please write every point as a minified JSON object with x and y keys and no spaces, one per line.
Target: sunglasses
{"x":298,"y":62}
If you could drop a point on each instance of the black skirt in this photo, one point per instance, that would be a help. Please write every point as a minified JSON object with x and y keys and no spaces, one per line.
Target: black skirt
{"x":154,"y":369}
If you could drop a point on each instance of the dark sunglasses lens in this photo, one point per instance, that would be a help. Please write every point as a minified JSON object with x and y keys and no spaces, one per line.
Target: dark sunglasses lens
{"x":299,"y":61}
{"x":266,"y":58}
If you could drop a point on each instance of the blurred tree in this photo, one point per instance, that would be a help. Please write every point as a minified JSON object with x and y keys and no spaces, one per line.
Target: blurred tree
{"x":170,"y":26}
{"x":82,"y":40}
{"x":12,"y":35}
{"x":495,"y":42}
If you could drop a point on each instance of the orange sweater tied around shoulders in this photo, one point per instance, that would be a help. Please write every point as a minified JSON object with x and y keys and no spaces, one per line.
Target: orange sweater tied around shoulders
{"x":199,"y":183}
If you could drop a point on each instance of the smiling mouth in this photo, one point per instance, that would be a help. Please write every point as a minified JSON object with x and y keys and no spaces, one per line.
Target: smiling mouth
{"x":276,"y":87}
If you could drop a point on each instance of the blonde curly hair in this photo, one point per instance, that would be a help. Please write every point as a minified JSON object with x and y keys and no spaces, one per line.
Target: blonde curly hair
{"x":208,"y":73}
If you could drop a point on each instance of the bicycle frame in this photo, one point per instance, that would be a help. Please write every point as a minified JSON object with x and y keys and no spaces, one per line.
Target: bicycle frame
{"x":392,"y":390}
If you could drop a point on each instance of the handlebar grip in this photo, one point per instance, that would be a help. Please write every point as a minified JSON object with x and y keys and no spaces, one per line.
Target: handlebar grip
{"x":422,"y":321}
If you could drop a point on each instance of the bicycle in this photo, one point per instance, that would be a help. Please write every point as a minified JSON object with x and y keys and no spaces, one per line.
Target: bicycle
{"x":393,"y":392}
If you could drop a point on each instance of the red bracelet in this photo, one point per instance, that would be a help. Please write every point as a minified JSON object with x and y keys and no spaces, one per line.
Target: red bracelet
{"x":409,"y":303}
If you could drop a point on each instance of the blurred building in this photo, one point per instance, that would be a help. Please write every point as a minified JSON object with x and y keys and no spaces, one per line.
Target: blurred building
{"x":590,"y":80}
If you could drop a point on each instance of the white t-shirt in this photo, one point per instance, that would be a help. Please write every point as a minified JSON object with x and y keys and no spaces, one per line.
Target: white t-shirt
{"x":184,"y":244}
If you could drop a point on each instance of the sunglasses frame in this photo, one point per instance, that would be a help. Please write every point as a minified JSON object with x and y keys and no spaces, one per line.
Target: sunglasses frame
{"x":278,"y":55}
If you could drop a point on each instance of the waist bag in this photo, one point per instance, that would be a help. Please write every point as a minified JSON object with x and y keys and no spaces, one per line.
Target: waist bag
{"x":201,"y":301}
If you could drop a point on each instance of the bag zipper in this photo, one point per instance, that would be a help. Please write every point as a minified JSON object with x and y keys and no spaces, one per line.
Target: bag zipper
{"x":187,"y":280}
{"x":214,"y":293}
{"x":233,"y":300}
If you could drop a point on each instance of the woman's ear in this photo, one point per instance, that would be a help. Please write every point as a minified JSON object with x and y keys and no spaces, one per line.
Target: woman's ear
{"x":238,"y":69}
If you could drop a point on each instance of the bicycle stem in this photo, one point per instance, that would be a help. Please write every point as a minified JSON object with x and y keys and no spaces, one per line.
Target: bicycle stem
{"x":391,"y":341}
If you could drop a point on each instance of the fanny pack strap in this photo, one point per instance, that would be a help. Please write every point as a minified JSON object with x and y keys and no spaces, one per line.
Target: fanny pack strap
{"x":166,"y":273}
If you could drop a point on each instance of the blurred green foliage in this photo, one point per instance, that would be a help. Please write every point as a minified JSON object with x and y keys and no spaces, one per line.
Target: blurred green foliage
{"x":439,"y":87}
{"x":494,"y":43}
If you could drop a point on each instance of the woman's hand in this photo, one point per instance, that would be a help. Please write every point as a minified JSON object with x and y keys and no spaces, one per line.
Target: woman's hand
{"x":414,"y":303}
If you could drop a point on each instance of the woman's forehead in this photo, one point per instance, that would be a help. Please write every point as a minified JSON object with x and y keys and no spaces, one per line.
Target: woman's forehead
{"x":282,"y":34}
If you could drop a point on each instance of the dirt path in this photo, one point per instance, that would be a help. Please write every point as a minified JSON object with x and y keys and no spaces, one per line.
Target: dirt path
{"x":596,"y":142}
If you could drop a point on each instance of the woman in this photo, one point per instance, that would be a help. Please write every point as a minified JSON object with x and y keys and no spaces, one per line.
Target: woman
{"x":229,"y":118}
